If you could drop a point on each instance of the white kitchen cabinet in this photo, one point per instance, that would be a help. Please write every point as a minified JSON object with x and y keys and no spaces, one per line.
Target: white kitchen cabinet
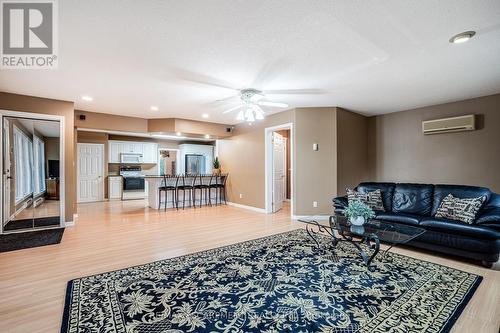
{"x":149,"y":150}
{"x":115,"y":187}
{"x":115,"y":148}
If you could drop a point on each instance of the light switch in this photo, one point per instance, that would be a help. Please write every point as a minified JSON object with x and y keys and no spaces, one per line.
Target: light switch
{"x":315,"y":147}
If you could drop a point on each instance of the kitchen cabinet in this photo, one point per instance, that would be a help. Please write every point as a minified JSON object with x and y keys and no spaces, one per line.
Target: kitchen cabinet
{"x":115,"y":187}
{"x":149,"y":150}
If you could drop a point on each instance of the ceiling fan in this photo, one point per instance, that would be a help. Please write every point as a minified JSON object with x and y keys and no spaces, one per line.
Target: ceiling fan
{"x":251,"y":101}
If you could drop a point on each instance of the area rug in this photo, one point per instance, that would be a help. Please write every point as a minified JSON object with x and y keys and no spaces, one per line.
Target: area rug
{"x":280,"y":283}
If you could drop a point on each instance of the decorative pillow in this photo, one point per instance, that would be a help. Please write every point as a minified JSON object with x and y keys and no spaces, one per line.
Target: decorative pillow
{"x":372,"y":198}
{"x":463,"y":210}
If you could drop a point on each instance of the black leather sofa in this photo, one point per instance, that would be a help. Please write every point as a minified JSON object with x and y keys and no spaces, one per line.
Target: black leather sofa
{"x":416,"y":204}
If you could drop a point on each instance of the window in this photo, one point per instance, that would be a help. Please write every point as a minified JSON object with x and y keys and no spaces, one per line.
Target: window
{"x":39,"y":165}
{"x":23,"y":159}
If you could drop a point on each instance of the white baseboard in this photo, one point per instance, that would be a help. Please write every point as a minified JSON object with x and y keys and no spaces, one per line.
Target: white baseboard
{"x":71,"y":223}
{"x":311,"y":217}
{"x":255,"y":209}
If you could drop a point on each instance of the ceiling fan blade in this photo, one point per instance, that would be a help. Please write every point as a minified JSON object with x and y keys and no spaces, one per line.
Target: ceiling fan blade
{"x":273,"y":104}
{"x":233,"y":108}
{"x":227,"y":99}
{"x":186,"y":75}
{"x":296,"y":92}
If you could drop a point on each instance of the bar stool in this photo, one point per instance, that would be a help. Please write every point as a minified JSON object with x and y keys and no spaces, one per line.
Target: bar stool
{"x":213,"y":185}
{"x":220,"y":187}
{"x":169,"y":183}
{"x":201,"y":183}
{"x":186,"y":183}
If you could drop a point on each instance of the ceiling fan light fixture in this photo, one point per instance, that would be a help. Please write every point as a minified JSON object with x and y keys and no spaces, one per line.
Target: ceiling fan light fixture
{"x":256,"y":97}
{"x":273,"y":104}
{"x":240,"y":116}
{"x":249,"y":116}
{"x":259,"y":115}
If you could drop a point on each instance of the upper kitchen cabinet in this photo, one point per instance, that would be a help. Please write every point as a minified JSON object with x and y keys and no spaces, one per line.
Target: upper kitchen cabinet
{"x":148,"y":150}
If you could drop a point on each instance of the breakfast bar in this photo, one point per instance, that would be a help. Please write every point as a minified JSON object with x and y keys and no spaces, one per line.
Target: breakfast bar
{"x":187,"y":189}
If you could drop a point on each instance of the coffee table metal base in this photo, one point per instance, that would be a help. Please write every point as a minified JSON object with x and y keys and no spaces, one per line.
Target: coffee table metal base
{"x":371,"y":240}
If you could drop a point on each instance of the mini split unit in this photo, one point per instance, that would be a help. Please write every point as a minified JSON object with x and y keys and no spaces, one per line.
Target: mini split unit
{"x":446,"y":125}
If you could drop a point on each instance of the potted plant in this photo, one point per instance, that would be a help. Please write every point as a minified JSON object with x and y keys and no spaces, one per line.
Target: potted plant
{"x":216,"y":166}
{"x":358,"y":212}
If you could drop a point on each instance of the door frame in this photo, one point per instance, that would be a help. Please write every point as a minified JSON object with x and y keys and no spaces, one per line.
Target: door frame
{"x":268,"y":164}
{"x":103,"y":167}
{"x":177,"y":158}
{"x":62,"y":174}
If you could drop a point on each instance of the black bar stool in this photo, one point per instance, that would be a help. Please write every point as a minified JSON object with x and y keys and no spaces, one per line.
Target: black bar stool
{"x":201,"y":183}
{"x":186,"y":184}
{"x":169,"y":183}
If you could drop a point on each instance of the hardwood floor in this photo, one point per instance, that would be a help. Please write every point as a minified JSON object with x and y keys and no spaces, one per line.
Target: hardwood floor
{"x":119,"y":234}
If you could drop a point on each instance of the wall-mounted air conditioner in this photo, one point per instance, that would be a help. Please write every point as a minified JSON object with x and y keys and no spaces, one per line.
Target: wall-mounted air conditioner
{"x":446,"y":125}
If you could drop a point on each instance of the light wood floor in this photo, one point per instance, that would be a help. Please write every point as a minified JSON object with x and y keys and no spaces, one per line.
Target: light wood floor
{"x":114,"y":235}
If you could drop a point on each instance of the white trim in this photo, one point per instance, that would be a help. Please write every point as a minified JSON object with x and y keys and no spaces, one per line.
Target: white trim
{"x":252,"y":208}
{"x":70,"y":224}
{"x":39,"y":116}
{"x":311,"y":217}
{"x":268,"y":164}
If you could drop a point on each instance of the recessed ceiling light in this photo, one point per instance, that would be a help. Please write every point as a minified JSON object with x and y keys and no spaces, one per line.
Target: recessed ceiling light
{"x":205,"y":115}
{"x":178,"y":133}
{"x":207,"y":136}
{"x":462,"y":37}
{"x":154,"y":108}
{"x":87,"y":98}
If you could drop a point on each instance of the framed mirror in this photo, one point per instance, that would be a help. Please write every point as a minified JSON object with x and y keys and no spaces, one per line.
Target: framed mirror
{"x":31,"y":178}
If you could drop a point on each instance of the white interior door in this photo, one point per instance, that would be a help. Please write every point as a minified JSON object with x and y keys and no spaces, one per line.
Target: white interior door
{"x":90,"y":183}
{"x":278,"y":171}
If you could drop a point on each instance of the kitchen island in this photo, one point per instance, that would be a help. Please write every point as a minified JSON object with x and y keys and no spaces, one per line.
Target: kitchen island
{"x":154,"y":182}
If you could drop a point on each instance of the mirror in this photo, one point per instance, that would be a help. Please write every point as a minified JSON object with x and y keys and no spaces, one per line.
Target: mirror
{"x":31,"y":155}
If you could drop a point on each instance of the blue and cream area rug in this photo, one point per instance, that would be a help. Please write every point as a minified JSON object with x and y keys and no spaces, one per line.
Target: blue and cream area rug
{"x":280,"y":283}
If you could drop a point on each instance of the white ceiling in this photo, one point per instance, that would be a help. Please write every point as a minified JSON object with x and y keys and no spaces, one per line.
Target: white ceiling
{"x":47,"y":128}
{"x":370,"y":56}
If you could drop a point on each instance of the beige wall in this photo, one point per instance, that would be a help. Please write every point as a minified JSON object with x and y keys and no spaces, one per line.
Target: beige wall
{"x":110,"y":122}
{"x":31,"y":104}
{"x":243,"y":156}
{"x":352,"y":150}
{"x":400,"y":152}
{"x":315,"y":173}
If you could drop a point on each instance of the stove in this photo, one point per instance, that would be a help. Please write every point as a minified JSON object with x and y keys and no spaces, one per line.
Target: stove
{"x":133,"y":182}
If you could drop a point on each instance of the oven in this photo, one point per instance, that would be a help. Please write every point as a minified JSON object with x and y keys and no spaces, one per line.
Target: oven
{"x":133,"y":184}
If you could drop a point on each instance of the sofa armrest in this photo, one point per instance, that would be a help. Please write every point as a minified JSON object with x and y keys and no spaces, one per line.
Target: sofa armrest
{"x":340,"y":203}
{"x":490,"y":218}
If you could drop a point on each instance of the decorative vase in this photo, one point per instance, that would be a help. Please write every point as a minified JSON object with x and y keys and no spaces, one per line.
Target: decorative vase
{"x":357,"y":229}
{"x":216,"y":171}
{"x":358,"y":220}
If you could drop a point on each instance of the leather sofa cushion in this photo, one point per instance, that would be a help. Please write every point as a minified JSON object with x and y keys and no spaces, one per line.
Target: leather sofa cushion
{"x":387,"y":190}
{"x":403,"y":218}
{"x":413,"y":199}
{"x":459,"y":228}
{"x":458,"y":191}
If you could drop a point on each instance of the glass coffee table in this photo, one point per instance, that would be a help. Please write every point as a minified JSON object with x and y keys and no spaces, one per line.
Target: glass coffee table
{"x":371,"y":234}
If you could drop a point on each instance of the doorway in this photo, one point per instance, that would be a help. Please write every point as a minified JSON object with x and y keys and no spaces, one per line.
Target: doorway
{"x":90,"y":172}
{"x":279,"y":171}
